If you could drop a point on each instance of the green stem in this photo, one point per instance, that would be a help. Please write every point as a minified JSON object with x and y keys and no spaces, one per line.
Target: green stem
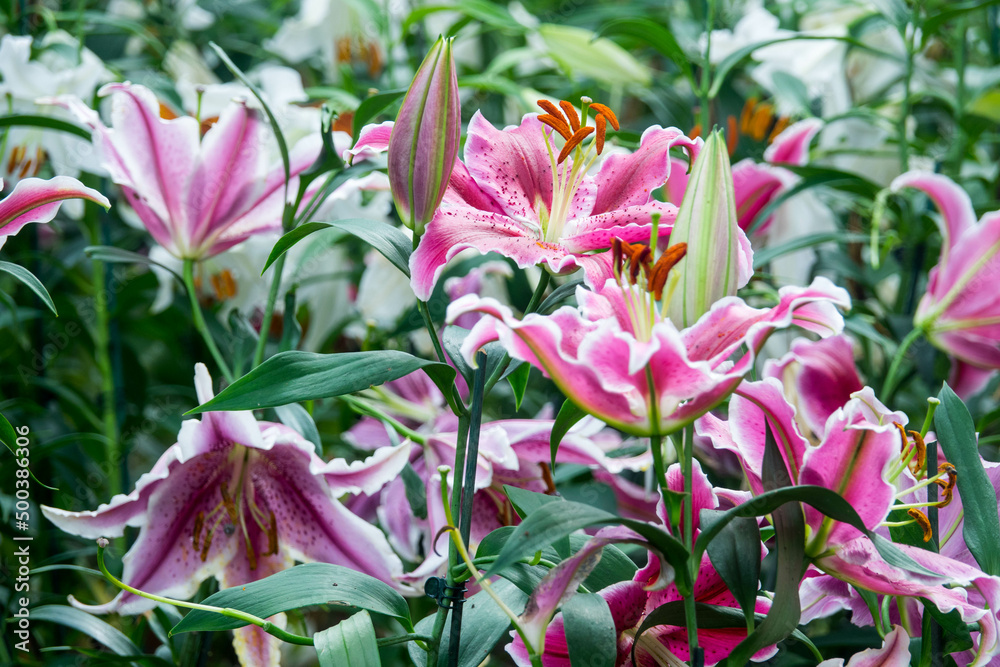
{"x":102,"y":356}
{"x":904,"y":110}
{"x":402,"y":639}
{"x":364,"y":408}
{"x":199,"y":321}
{"x":690,"y":615}
{"x":897,"y":361}
{"x":265,"y":323}
{"x":266,"y":626}
{"x":425,"y":312}
{"x":467,"y":490}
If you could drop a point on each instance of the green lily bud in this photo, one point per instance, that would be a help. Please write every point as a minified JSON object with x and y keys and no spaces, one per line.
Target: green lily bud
{"x":707,"y":223}
{"x":424,"y":141}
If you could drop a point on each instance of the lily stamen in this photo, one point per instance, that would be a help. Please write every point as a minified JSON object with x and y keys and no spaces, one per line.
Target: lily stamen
{"x":924,"y":523}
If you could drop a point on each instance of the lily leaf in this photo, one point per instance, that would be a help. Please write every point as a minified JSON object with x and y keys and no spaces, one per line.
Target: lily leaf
{"x":294,"y":376}
{"x":301,"y":586}
{"x":957,"y":437}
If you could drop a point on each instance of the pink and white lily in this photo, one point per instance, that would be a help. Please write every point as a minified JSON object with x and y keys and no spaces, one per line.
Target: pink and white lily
{"x":38,"y":200}
{"x":239,"y":500}
{"x":630,"y":602}
{"x":197,"y":195}
{"x":857,"y":454}
{"x":620,"y":359}
{"x":511,"y":196}
{"x":960,"y":311}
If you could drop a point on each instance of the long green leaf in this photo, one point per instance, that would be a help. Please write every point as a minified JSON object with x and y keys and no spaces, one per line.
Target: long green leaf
{"x":373,"y":106}
{"x":826,"y":501}
{"x":350,"y":643}
{"x":113,"y":255}
{"x":295,"y":376}
{"x":301,"y":586}
{"x":89,"y":625}
{"x":790,"y":534}
{"x":278,"y":134}
{"x":47,"y":122}
{"x":388,"y":240}
{"x":554,"y":521}
{"x":34,"y":284}
{"x":957,"y":436}
{"x":569,"y":415}
{"x":590,"y":631}
{"x":735,"y":554}
{"x":654,"y":34}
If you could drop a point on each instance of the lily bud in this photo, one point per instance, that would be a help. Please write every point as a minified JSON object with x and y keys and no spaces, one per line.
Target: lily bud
{"x":707,"y":223}
{"x":424,"y":141}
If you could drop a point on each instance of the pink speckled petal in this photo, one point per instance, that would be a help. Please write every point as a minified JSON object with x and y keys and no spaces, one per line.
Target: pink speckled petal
{"x":511,"y":166}
{"x":629,"y":180}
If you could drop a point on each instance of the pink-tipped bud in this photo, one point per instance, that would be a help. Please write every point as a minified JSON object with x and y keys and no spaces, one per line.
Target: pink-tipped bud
{"x":424,"y":141}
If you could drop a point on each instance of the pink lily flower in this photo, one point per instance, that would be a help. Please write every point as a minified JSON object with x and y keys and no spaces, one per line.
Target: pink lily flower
{"x":38,"y":200}
{"x":197,"y":195}
{"x":757,"y":184}
{"x":960,"y":313}
{"x":823,"y":595}
{"x":239,"y":500}
{"x":513,"y":196}
{"x":857,"y":454}
{"x":620,"y":359}
{"x":630,"y":602}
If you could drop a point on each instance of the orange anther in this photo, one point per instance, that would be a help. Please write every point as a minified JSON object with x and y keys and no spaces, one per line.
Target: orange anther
{"x":667,"y":261}
{"x":779,"y":127}
{"x":920,"y":460}
{"x":762,"y":117}
{"x":573,"y":142}
{"x":607,"y":112}
{"x":571,"y":115}
{"x":602,"y":129}
{"x":548,"y":107}
{"x":747,"y":115}
{"x":557,"y":124}
{"x":733,"y":139}
{"x":923,"y":521}
{"x":695,"y":131}
{"x":947,"y":486}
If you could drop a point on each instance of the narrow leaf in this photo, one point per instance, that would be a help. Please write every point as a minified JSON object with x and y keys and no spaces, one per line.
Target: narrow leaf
{"x":735,"y":554}
{"x":569,"y":415}
{"x":89,"y":625}
{"x":790,"y":533}
{"x":34,"y":284}
{"x":416,"y":491}
{"x":113,"y":255}
{"x":373,"y":106}
{"x":350,"y":643}
{"x":278,"y":135}
{"x":518,"y":380}
{"x":47,"y":122}
{"x":294,"y":376}
{"x":301,"y":586}
{"x":957,"y":437}
{"x":654,"y":34}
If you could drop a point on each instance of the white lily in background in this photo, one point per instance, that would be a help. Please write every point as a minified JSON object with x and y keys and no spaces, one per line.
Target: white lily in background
{"x":60,"y":67}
